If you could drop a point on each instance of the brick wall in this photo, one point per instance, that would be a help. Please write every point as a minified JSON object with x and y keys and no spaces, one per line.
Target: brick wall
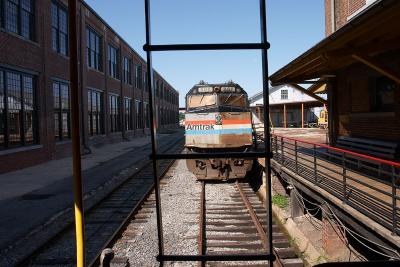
{"x":354,"y":5}
{"x":37,"y":57}
{"x":328,"y":18}
{"x":342,"y":10}
{"x":333,"y":239}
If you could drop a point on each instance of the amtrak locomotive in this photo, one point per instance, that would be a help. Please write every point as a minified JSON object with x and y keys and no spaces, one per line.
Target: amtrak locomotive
{"x":218,"y":119}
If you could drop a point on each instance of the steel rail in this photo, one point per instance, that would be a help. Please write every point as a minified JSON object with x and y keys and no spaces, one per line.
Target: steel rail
{"x":257,"y":224}
{"x":121,"y":228}
{"x":202,"y":224}
{"x":24,"y":261}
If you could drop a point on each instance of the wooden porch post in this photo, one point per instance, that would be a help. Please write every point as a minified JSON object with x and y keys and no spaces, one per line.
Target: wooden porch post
{"x":302,"y":115}
{"x":284,"y":115}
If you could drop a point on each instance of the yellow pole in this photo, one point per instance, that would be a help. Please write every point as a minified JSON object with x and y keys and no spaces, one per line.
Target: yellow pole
{"x":76,"y":149}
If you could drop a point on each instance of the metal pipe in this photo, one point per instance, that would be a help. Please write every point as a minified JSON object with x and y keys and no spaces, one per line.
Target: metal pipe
{"x":296,"y":159}
{"x":229,"y":46}
{"x":76,"y":149}
{"x":344,"y":176}
{"x":315,"y":164}
{"x":267,"y":134}
{"x":208,"y":155}
{"x":225,"y":257}
{"x":202,"y":226}
{"x":394,"y":201}
{"x":153,"y":128}
{"x":333,"y":17}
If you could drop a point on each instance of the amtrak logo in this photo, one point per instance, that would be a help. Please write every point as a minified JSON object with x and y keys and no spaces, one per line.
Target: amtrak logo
{"x":218,"y":119}
{"x":197,"y":127}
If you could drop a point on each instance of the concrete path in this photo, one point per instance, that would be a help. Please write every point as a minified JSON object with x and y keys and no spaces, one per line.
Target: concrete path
{"x":32,"y":196}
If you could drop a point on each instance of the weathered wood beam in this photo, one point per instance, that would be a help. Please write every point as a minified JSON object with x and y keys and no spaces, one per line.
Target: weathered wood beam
{"x":377,"y":66}
{"x":302,"y":89}
{"x":372,"y":47}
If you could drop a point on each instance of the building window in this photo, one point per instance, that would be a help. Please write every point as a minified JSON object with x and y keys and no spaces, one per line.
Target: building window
{"x":139,"y":114}
{"x":17,"y":16}
{"x":18,"y":125}
{"x":145,"y":85}
{"x":113,"y":62}
{"x":94,"y":49}
{"x":127,"y":70}
{"x":146,"y":115}
{"x":115,"y":125}
{"x":59,"y":28}
{"x":62,"y":111}
{"x":95,"y":112}
{"x":128,"y":113}
{"x":284,"y":94}
{"x":138,"y":77}
{"x":158,"y":88}
{"x":384,"y":98}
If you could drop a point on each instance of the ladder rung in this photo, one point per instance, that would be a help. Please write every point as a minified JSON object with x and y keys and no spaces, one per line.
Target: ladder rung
{"x":231,"y":46}
{"x":221,"y":257}
{"x":213,"y":155}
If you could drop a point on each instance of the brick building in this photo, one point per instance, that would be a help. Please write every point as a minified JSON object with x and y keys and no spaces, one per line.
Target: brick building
{"x":34,"y":87}
{"x":339,"y":12}
{"x":359,"y":63}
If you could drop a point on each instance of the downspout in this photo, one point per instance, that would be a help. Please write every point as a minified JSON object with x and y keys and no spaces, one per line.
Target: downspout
{"x":86,"y":148}
{"x":122,"y":98}
{"x":333,"y":17}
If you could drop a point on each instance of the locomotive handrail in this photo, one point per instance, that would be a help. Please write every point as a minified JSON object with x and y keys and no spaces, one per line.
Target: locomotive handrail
{"x":388,"y":162}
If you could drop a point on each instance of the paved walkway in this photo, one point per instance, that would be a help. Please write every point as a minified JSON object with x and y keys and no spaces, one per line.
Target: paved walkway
{"x":20,"y":182}
{"x":31,"y":196}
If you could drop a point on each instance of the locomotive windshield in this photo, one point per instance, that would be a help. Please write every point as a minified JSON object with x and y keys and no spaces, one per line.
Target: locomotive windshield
{"x":217,"y":98}
{"x":233,"y":100}
{"x":199,"y":101}
{"x":221,"y":102}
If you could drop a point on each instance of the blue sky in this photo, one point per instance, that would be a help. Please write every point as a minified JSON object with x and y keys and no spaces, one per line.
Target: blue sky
{"x":293,"y":27}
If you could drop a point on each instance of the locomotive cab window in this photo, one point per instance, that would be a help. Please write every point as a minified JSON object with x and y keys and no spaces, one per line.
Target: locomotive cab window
{"x":232,"y":100}
{"x":199,"y":101}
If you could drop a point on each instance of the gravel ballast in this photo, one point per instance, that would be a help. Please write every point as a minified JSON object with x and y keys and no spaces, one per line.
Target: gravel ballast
{"x":180,"y":204}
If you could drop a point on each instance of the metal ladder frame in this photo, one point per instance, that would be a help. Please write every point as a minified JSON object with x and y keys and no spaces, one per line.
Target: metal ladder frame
{"x":267,"y":154}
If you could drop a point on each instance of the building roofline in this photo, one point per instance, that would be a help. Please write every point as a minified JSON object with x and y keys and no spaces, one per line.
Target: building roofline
{"x":86,"y":5}
{"x":365,"y":15}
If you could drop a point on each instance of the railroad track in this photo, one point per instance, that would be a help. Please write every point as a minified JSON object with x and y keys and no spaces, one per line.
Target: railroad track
{"x":105,"y":221}
{"x":236,"y":225}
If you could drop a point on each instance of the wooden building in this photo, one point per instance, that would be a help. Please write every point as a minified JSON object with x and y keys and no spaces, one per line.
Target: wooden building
{"x":360,"y":65}
{"x":289,"y":107}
